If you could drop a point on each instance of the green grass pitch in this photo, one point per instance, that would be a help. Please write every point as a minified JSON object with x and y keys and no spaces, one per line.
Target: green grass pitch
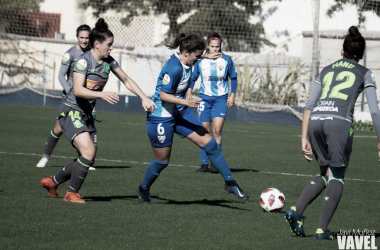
{"x":190,"y":210}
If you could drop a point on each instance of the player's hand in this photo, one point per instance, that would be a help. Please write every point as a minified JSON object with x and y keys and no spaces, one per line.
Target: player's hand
{"x":306,"y":149}
{"x":230,"y":102}
{"x":148,"y":105}
{"x":193,"y":103}
{"x":188,"y":96}
{"x":110,"y":97}
{"x":213,"y":55}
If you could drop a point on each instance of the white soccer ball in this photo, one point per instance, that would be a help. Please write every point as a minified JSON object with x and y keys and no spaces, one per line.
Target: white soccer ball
{"x":272,"y":200}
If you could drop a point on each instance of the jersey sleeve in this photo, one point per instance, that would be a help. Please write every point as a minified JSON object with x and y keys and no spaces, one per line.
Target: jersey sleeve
{"x":67,"y":58}
{"x":315,"y":93}
{"x":369,"y":79}
{"x":113,"y":64}
{"x":171,"y":79}
{"x":81,"y":66}
{"x":196,"y":71}
{"x":231,"y":68}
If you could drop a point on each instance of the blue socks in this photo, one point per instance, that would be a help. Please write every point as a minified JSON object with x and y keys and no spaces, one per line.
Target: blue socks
{"x":204,"y":157}
{"x":152,"y":172}
{"x":217,"y":158}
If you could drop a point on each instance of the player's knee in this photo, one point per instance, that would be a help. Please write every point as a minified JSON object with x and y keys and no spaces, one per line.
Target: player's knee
{"x":89,"y":152}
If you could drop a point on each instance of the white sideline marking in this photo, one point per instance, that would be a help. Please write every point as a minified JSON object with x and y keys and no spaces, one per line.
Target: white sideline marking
{"x":177,"y":165}
{"x":356,"y":136}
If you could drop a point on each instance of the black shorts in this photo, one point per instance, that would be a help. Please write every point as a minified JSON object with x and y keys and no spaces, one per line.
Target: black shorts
{"x":331,"y":140}
{"x":74,"y":122}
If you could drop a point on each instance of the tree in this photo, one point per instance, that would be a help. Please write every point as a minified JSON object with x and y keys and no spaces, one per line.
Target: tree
{"x":361,"y":5}
{"x":231,"y":18}
{"x":12,"y":17}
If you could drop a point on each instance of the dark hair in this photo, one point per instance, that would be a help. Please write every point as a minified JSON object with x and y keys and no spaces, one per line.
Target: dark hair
{"x":100,"y":32}
{"x":83,"y":27}
{"x":214,"y":36}
{"x":190,"y":43}
{"x":354,"y":44}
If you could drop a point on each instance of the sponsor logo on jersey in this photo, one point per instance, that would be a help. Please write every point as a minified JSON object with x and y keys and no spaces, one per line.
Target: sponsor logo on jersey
{"x":66,"y":57}
{"x":93,"y":70}
{"x":373,"y":77}
{"x":161,"y":138}
{"x":321,"y":118}
{"x":81,"y":64}
{"x":215,"y":78}
{"x":220,"y":67}
{"x":107,"y":68}
{"x":324,"y":108}
{"x":326,"y":103}
{"x":166,"y":80}
{"x":93,"y":85}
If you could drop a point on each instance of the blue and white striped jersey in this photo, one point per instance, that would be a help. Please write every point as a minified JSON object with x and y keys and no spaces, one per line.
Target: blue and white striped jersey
{"x":214,"y":75}
{"x":174,"y":78}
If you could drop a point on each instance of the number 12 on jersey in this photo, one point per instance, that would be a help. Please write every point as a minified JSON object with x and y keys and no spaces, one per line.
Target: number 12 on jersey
{"x":349,"y":78}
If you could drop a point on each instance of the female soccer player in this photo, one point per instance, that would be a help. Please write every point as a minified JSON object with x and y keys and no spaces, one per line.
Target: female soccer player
{"x":327,"y":123}
{"x":173,"y":115}
{"x":91,"y":73}
{"x":67,"y":65}
{"x":214,"y":93}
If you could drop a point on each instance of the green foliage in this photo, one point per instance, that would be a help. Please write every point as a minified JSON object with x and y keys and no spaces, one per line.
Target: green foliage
{"x":229,"y":18}
{"x":361,"y":5}
{"x":363,"y":126}
{"x":266,"y":88}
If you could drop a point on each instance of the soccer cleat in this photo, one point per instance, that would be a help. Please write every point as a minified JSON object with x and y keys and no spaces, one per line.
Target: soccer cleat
{"x":73,"y":197}
{"x":233,"y":188}
{"x":42,"y":163}
{"x":320,"y":235}
{"x":144,"y":196}
{"x":203,"y":168}
{"x":295,"y":221}
{"x":213,"y":169}
{"x":50,"y":187}
{"x":91,"y":168}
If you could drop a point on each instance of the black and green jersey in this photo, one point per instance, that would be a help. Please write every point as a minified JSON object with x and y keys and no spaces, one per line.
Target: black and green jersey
{"x":96,"y":73}
{"x":336,"y":89}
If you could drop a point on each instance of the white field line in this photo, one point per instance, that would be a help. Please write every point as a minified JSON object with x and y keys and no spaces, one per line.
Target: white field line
{"x":178,"y":165}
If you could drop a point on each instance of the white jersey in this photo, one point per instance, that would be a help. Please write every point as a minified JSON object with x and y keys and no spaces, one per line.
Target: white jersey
{"x":214,"y":75}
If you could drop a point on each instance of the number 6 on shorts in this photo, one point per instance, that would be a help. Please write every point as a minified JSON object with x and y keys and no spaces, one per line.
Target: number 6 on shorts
{"x":160,"y":129}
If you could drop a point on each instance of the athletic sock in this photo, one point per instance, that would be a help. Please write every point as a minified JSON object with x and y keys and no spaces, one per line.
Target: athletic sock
{"x":51,"y":142}
{"x":152,"y":172}
{"x":219,"y":146}
{"x":311,"y":191}
{"x":78,"y":173}
{"x":217,"y":158}
{"x":204,"y":157}
{"x":331,"y":200}
{"x":64,"y":174}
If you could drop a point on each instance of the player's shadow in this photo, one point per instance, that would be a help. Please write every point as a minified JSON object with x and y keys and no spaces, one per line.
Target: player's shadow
{"x":100,"y":167}
{"x":219,"y":203}
{"x":280,"y":212}
{"x":237,"y":170}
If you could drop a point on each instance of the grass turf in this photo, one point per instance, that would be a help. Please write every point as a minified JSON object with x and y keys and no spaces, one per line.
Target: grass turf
{"x":191,"y":210}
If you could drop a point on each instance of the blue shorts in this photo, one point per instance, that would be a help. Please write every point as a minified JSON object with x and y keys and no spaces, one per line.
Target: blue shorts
{"x":211,"y":107}
{"x":161,"y":129}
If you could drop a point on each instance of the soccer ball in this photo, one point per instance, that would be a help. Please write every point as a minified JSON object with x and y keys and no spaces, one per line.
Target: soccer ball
{"x":272,"y":200}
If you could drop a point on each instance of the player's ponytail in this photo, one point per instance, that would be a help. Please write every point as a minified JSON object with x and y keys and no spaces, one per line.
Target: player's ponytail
{"x":354,"y":44}
{"x":100,"y":32}
{"x":214,"y":36}
{"x":190,"y":43}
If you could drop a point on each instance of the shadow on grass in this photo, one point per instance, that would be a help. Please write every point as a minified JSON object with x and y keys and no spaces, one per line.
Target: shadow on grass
{"x":219,"y":203}
{"x":243,"y":170}
{"x":100,"y":167}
